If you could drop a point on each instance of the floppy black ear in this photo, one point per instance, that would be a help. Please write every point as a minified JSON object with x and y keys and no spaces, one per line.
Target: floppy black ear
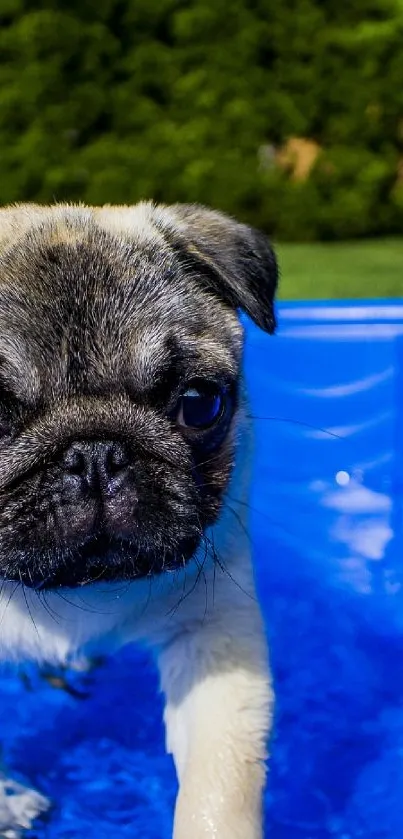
{"x":235,"y":261}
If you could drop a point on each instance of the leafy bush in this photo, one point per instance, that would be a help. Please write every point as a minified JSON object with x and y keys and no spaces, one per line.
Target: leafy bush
{"x":121,"y":100}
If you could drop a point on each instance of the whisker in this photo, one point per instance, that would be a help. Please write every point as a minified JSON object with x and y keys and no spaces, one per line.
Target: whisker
{"x":300,"y":423}
{"x":9,"y":601}
{"x":205,"y":587}
{"x":214,"y":581}
{"x":90,"y":580}
{"x":190,"y":592}
{"x":148,"y":600}
{"x":2,"y":587}
{"x":262,"y":513}
{"x":27,"y":605}
{"x":240,"y":522}
{"x":46,"y":606}
{"x":274,"y":524}
{"x":217,"y":559}
{"x":82,"y":605}
{"x":209,"y":461}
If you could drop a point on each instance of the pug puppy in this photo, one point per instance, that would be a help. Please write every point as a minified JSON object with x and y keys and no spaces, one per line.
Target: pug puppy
{"x":125,"y":452}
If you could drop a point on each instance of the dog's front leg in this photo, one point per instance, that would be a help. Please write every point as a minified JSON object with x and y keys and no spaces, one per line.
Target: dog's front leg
{"x":218,"y":710}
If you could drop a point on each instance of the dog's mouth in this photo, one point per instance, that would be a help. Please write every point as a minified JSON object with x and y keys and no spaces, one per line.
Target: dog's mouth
{"x":100,"y":558}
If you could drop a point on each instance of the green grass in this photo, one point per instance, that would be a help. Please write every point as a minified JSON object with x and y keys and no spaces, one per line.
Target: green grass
{"x":369,"y":268}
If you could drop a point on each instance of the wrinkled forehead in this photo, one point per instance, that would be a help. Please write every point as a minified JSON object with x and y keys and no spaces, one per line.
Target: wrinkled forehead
{"x":94,"y":311}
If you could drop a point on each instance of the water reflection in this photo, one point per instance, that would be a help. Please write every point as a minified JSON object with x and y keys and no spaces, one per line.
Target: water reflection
{"x":325,"y":483}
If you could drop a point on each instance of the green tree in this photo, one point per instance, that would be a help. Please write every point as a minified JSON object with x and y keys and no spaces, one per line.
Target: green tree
{"x":125,"y":100}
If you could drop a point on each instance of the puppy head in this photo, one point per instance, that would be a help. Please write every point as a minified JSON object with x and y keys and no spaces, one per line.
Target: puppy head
{"x":120,"y":352}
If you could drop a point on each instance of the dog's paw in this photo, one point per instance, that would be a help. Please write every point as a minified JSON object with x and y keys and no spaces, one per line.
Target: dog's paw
{"x":19,"y":806}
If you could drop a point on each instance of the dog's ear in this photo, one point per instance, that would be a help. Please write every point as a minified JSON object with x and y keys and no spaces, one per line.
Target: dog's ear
{"x":233,"y":260}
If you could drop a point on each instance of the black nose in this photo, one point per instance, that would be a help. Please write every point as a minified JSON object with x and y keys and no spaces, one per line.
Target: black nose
{"x":97,"y":467}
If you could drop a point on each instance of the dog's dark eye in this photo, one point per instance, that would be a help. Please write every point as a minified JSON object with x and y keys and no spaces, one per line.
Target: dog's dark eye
{"x":201,"y":406}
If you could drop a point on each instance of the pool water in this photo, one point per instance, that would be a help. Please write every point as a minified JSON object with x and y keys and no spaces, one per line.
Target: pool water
{"x":327,"y":397}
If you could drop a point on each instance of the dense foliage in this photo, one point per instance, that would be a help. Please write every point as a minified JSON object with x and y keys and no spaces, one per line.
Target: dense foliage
{"x":288,"y":115}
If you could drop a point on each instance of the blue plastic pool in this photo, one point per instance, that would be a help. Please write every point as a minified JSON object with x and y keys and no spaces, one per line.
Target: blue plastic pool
{"x":327,"y":394}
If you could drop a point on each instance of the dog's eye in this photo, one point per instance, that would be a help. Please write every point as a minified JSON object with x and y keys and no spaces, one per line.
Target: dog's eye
{"x":201,"y":406}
